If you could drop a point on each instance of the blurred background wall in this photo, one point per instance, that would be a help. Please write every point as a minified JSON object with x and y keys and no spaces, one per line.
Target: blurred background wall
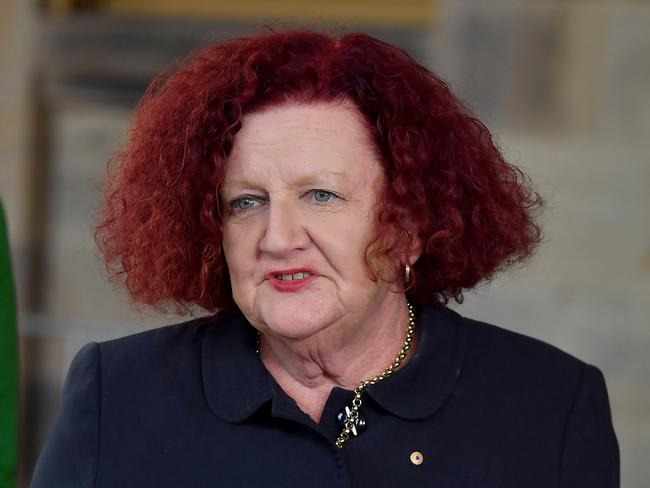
{"x":564,"y":84}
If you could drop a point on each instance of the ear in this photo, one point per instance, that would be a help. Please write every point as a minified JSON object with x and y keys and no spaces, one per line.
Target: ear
{"x":413,"y":251}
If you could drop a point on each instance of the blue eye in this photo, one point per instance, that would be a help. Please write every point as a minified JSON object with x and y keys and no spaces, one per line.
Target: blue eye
{"x":243,"y":203}
{"x":322,"y":196}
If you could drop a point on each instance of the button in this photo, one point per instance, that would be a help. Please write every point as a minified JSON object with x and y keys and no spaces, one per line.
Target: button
{"x":417,"y":458}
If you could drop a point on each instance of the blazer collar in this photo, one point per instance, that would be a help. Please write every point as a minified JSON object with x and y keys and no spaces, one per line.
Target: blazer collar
{"x":418,"y":389}
{"x":236,"y":383}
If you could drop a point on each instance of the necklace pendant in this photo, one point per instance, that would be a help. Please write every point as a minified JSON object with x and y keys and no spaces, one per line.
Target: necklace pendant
{"x":359,"y":424}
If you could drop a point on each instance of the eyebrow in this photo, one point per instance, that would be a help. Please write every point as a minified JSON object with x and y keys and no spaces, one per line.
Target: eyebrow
{"x":305,"y":180}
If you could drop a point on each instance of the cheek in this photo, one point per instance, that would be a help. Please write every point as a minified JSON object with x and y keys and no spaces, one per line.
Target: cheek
{"x":227,"y":245}
{"x":239,"y":251}
{"x":343,"y":241}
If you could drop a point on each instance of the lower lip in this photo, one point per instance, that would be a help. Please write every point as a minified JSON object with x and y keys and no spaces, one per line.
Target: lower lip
{"x":291,"y":285}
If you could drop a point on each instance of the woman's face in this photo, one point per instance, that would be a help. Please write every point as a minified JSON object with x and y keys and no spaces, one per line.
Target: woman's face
{"x":298,"y":206}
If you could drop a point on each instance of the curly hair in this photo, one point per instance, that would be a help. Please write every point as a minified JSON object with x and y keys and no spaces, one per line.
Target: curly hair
{"x":447,"y":184}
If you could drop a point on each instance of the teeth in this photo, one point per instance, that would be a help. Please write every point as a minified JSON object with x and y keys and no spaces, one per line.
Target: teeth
{"x":295,"y":276}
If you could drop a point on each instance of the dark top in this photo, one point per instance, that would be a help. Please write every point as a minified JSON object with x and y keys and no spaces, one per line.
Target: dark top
{"x":191,"y":405}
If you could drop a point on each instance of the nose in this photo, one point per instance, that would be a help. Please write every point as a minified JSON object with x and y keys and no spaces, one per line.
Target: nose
{"x":284,"y":232}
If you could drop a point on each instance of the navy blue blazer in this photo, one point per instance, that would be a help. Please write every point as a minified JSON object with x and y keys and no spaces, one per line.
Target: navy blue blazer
{"x":191,"y":405}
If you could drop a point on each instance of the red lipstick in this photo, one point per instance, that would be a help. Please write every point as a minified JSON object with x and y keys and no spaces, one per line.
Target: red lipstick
{"x":274,"y":278}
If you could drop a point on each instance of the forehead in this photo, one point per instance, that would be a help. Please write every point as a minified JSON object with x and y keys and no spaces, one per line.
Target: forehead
{"x":294,"y":141}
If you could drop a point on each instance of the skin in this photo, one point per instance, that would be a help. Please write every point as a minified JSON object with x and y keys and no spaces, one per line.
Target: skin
{"x":301,"y":189}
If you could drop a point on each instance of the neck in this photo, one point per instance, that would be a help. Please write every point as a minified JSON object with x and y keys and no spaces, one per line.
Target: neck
{"x":346,"y":353}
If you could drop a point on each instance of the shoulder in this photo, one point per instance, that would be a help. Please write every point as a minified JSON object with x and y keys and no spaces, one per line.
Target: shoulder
{"x":69,"y":456}
{"x":173,"y":335}
{"x":542,"y":392}
{"x":165,"y":344}
{"x":516,"y":373}
{"x":517,"y":355}
{"x":147,"y":359}
{"x":117,"y":387}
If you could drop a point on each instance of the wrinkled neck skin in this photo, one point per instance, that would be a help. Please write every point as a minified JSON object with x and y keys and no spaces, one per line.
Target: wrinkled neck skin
{"x":354,"y":349}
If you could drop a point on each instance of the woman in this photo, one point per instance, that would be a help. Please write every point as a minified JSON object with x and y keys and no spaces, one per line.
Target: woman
{"x":324,"y":198}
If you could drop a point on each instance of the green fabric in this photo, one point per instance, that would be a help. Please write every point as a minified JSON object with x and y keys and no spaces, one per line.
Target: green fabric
{"x":8,"y":365}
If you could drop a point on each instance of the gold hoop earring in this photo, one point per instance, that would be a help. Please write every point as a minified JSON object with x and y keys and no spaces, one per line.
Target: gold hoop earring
{"x":407,"y":273}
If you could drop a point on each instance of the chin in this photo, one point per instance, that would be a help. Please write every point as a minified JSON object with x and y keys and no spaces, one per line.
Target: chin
{"x":296,"y":317}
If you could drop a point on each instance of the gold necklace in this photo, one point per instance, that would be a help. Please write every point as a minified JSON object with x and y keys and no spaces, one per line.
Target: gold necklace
{"x":353,"y":415}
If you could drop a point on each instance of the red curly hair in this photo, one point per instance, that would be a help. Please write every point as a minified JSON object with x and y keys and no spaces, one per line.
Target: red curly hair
{"x":447,"y":184}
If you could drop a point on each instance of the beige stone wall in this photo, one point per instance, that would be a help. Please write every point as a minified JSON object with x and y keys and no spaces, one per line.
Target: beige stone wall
{"x":17,"y":30}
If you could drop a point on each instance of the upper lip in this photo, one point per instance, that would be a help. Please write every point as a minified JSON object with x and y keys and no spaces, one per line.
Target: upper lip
{"x":272,"y":273}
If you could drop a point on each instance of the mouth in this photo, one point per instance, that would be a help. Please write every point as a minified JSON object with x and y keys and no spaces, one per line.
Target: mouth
{"x":293,"y":279}
{"x":290,"y":274}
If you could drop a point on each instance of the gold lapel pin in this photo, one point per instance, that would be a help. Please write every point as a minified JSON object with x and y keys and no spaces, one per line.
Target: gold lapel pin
{"x":417,"y":458}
